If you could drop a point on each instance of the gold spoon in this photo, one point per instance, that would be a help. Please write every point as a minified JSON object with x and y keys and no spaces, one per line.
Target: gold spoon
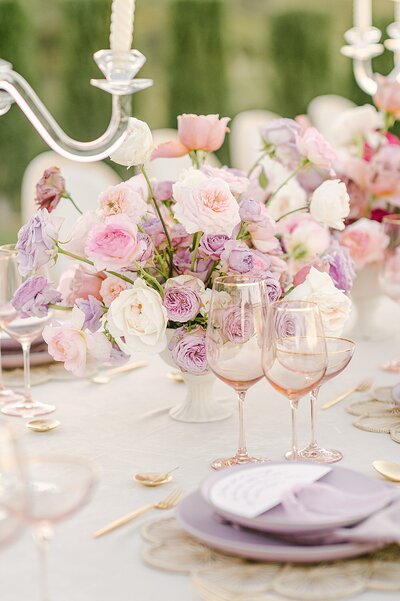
{"x":111,"y":373}
{"x":154,"y":478}
{"x":361,"y":387}
{"x":42,"y":425}
{"x":175,"y":376}
{"x":388,"y":469}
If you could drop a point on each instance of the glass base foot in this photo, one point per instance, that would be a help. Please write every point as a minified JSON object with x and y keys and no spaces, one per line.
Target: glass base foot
{"x":320,"y":455}
{"x":28,"y":410}
{"x":220,"y":464}
{"x":7,"y":395}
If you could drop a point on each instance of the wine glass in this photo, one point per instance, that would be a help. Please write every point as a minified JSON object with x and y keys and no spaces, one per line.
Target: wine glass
{"x":294,"y":354}
{"x":24,"y":330}
{"x":57,"y":487}
{"x":12,"y":485}
{"x":339,"y":354}
{"x":234,"y":343}
{"x":389,"y":275}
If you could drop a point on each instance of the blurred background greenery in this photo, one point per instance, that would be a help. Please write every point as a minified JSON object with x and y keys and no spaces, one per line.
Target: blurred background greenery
{"x":220,"y":56}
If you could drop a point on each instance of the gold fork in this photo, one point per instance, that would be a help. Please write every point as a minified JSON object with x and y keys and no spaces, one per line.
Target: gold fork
{"x":361,"y":387}
{"x":168,"y":503}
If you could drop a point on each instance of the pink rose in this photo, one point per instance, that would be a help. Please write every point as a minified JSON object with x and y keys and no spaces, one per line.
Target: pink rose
{"x":195,"y":132}
{"x":50,"y":189}
{"x":387,"y":96}
{"x":79,"y":282}
{"x":313,"y":146}
{"x":205,"y":204}
{"x":111,"y":287}
{"x":236,"y":179}
{"x":122,"y":198}
{"x":384,"y":173}
{"x":303,"y":238}
{"x":113,"y":244}
{"x":263,"y":234}
{"x":162,"y":190}
{"x":366,"y":241}
{"x":301,"y":275}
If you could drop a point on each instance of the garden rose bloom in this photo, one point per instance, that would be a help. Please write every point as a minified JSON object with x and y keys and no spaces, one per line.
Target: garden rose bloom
{"x":333,"y":304}
{"x":273,"y":288}
{"x":301,"y":275}
{"x":279,"y":137}
{"x":111,"y":287}
{"x":79,"y":282}
{"x":387,"y":96}
{"x":162,"y":190}
{"x":154,"y":228}
{"x":366,"y":242}
{"x":122,"y":199}
{"x":205,"y":204}
{"x":341,"y":266}
{"x":303,"y":238}
{"x":187,"y":281}
{"x":138,"y":320}
{"x":195,"y":132}
{"x":212,"y":245}
{"x":182,"y":303}
{"x":330,"y":204}
{"x":237,"y":324}
{"x":50,"y":189}
{"x":263,"y":233}
{"x":146,"y":245}
{"x":313,"y":146}
{"x":113,"y":244}
{"x":93,"y":312}
{"x":239,"y":258}
{"x":75,"y":348}
{"x":37,"y":241}
{"x":137,"y":146}
{"x":384,"y":173}
{"x":188,"y":350}
{"x":236,"y":179}
{"x":34,"y":296}
{"x":252,"y":211}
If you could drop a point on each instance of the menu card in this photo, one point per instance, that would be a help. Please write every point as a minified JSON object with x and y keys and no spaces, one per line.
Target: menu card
{"x":251,"y":492}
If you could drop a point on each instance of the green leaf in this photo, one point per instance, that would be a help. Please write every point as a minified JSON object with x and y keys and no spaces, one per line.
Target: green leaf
{"x":262,"y":179}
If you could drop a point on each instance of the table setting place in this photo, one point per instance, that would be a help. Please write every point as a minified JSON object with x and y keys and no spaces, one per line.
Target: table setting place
{"x":166,"y":359}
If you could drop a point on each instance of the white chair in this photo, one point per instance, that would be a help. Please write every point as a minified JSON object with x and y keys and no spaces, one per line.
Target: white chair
{"x":245,"y":139}
{"x":84,"y":181}
{"x":324,"y":110}
{"x":170,"y":169}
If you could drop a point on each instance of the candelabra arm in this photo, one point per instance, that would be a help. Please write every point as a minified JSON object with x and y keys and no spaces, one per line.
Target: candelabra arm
{"x":45,"y":124}
{"x":364,"y":75}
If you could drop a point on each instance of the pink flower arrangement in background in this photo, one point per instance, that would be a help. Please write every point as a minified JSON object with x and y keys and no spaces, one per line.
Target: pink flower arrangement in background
{"x":147,"y":256}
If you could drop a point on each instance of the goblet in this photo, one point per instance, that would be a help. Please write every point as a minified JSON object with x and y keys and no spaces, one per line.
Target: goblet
{"x":339,"y":354}
{"x":13,"y":489}
{"x":234,"y":343}
{"x":24,"y":330}
{"x":294,"y":354}
{"x":389,"y":275}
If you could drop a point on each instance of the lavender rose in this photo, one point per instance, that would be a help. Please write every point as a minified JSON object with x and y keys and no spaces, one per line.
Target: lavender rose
{"x":341,"y":267}
{"x":188,"y":350}
{"x":34,"y":296}
{"x":279,"y":137}
{"x":36,"y":242}
{"x":50,"y":189}
{"x":237,"y":257}
{"x":145,"y":242}
{"x":93,"y":311}
{"x":212,"y":245}
{"x":273,"y":288}
{"x":252,"y":211}
{"x":182,"y":303}
{"x":237,"y":324}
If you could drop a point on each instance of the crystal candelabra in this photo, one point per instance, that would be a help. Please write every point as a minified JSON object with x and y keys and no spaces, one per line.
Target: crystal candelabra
{"x":119,"y":69}
{"x":363,"y":44}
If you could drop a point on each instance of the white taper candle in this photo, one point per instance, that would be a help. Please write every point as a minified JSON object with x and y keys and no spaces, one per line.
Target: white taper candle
{"x":397,"y":11}
{"x":362,"y":14}
{"x":121,"y":30}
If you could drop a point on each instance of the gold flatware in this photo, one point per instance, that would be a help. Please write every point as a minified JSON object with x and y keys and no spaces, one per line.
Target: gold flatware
{"x":42,"y":425}
{"x":388,"y":469}
{"x":361,"y":387}
{"x":111,"y":373}
{"x":168,"y":503}
{"x":175,"y":376}
{"x":153,"y":478}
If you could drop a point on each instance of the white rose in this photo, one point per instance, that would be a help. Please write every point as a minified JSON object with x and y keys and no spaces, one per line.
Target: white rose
{"x":353,"y":124}
{"x":220,"y":300}
{"x":333,"y":304}
{"x":330,"y":204}
{"x":137,"y":146}
{"x":138,"y":320}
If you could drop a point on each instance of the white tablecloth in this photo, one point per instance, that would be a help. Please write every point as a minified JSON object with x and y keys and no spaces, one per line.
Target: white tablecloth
{"x":124,"y":427}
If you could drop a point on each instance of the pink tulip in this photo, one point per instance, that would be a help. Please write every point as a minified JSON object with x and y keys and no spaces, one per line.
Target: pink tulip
{"x":195,"y":132}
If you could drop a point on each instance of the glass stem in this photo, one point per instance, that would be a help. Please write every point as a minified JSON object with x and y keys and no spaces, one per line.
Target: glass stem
{"x":295,"y":454}
{"x":1,"y":371}
{"x":26,"y":347}
{"x":242,"y":450}
{"x":313,"y":406}
{"x":43,"y":533}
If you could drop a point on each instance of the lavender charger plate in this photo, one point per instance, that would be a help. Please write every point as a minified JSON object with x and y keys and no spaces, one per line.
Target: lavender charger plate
{"x":279,"y":521}
{"x":200,"y":521}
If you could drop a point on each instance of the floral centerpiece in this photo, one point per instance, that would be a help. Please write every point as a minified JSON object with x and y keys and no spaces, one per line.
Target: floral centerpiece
{"x":146,"y":257}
